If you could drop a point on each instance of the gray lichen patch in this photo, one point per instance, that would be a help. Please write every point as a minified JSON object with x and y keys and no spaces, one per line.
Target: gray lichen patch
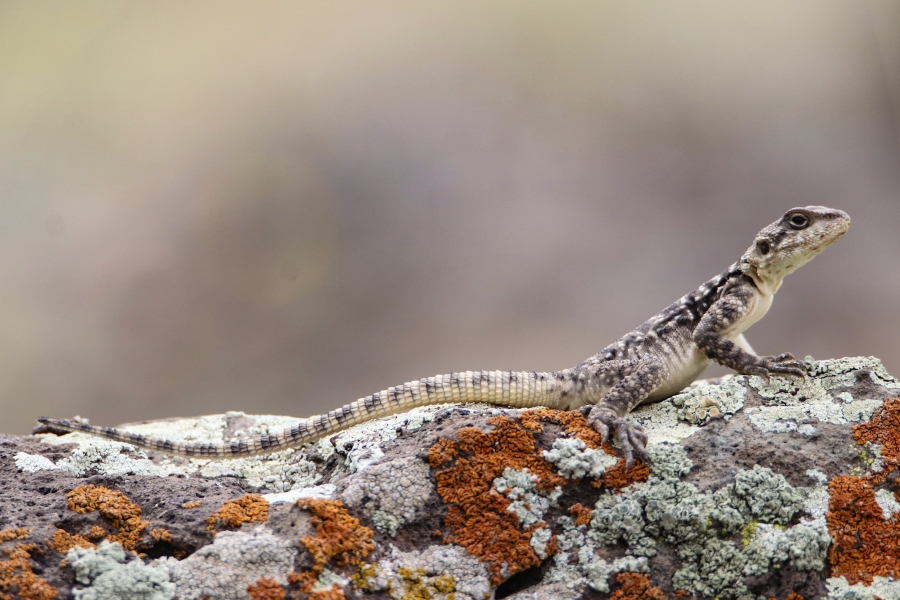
{"x":235,"y":560}
{"x":108,"y":574}
{"x":392,"y":493}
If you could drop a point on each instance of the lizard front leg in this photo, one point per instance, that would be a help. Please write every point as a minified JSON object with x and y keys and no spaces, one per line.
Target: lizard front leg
{"x":735,"y":304}
{"x":632,"y":382}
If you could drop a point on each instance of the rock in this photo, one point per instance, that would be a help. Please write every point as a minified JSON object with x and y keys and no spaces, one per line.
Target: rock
{"x":752,"y":489}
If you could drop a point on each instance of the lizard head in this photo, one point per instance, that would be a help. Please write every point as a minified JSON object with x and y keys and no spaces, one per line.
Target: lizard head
{"x":791,"y":242}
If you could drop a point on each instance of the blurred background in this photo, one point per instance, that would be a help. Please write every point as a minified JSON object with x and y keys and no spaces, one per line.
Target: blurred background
{"x":281,"y":207}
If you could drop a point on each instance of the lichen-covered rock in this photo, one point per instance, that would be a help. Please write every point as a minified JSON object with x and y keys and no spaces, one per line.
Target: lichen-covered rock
{"x":234,"y":561}
{"x":752,"y":489}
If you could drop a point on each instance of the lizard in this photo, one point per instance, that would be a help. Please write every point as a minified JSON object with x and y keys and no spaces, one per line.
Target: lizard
{"x":653,"y":362}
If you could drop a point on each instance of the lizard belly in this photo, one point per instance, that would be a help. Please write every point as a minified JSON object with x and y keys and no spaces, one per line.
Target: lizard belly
{"x":681,"y":373}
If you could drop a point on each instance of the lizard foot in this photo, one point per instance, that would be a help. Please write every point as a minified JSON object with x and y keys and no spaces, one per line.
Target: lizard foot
{"x":783,"y":364}
{"x":631,"y":437}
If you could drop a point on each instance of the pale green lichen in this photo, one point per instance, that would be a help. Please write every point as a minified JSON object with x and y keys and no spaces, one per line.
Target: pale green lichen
{"x":327,"y":579}
{"x":792,"y":403}
{"x":31,"y":463}
{"x":539,"y":540}
{"x":668,"y":461}
{"x":707,"y":400}
{"x":528,"y":503}
{"x":661,"y":423}
{"x":713,"y":569}
{"x":108,"y":575}
{"x":757,"y":494}
{"x":887,"y":502}
{"x":805,"y":545}
{"x":385,"y":523}
{"x":759,"y":503}
{"x":574,"y":461}
{"x":881,"y":588}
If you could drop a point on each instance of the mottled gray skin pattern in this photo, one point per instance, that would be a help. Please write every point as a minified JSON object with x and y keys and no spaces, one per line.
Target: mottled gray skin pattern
{"x":670,"y":350}
{"x":653,"y":362}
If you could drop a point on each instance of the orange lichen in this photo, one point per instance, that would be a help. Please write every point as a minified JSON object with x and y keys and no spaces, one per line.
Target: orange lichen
{"x":161,"y":535}
{"x":248,"y":508}
{"x":574,"y":424}
{"x":17,"y":578}
{"x":63,"y":541}
{"x":636,"y":587}
{"x":478,"y":515}
{"x":18,"y":533}
{"x":192,"y":504}
{"x":864,"y":544}
{"x":582,"y":514}
{"x":339,"y":537}
{"x":266,"y":589}
{"x":795,"y":596}
{"x":123,"y":514}
{"x":883,"y":429}
{"x":617,"y":477}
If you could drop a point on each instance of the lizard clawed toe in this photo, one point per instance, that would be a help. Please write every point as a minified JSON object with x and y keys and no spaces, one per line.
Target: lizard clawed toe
{"x":783,"y":364}
{"x":631,"y":437}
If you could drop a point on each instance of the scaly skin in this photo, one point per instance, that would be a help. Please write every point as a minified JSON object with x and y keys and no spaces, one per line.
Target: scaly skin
{"x":653,"y":362}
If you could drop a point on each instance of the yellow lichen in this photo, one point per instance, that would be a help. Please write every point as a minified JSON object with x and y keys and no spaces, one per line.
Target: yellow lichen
{"x":364,"y":578}
{"x":418,"y":586}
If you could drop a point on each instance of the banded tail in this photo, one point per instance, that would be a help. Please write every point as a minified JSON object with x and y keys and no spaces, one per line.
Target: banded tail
{"x":517,"y":389}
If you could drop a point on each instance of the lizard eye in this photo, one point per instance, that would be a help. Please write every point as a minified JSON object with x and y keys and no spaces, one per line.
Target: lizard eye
{"x":798,"y":221}
{"x":763,"y":247}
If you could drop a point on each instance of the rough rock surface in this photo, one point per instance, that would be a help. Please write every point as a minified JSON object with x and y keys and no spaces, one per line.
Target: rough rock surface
{"x":782,"y":489}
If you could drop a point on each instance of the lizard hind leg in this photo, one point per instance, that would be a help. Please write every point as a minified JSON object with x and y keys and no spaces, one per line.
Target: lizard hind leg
{"x":635,"y":383}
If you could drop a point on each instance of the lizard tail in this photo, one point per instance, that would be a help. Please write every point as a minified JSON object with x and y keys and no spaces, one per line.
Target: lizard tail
{"x":517,"y":389}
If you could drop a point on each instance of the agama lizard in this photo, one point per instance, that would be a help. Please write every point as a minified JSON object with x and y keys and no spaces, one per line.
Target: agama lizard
{"x":653,"y":362}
